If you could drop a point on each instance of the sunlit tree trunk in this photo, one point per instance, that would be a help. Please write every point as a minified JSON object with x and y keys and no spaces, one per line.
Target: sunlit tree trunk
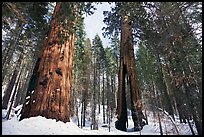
{"x":19,"y":89}
{"x":50,"y":85}
{"x":13,"y":96}
{"x":25,"y":86}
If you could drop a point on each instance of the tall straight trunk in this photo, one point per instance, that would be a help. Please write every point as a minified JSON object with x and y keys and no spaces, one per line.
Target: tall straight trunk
{"x":160,"y":125}
{"x":167,"y":79}
{"x":177,"y":90}
{"x":85,"y":94}
{"x":9,"y":90}
{"x":25,"y":86}
{"x":99,"y":89}
{"x":82,"y":109}
{"x":19,"y":89}
{"x":190,"y":126}
{"x":112,"y":97}
{"x":128,"y":67}
{"x":166,"y":99}
{"x":21,"y":93}
{"x":146,"y":116}
{"x":75,"y":93}
{"x":11,"y":83}
{"x":107,"y":97}
{"x":103,"y":101}
{"x":50,"y":85}
{"x":13,"y":95}
{"x":114,"y":90}
{"x":84,"y":113}
{"x":77,"y":113}
{"x":108,"y":102}
{"x":94,"y":99}
{"x":72,"y":96}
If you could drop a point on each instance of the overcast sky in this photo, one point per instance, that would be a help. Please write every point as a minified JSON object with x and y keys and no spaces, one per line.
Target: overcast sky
{"x":94,"y":23}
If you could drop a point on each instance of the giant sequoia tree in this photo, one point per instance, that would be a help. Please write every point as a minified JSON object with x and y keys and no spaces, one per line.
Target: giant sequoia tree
{"x":168,"y":32}
{"x":49,"y":88}
{"x":127,"y":70}
{"x":120,"y":20}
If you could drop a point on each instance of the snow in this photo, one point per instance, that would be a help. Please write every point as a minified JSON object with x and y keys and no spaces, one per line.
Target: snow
{"x":42,"y":126}
{"x":27,"y":102}
{"x":3,"y":89}
{"x":27,"y":97}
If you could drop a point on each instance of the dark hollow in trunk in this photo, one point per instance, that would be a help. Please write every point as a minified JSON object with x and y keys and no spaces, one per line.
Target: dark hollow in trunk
{"x":120,"y":124}
{"x":128,"y":69}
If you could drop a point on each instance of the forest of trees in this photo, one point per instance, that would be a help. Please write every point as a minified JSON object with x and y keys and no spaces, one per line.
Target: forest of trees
{"x":154,"y":62}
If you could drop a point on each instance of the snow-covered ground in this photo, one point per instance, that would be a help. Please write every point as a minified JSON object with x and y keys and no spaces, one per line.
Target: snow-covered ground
{"x":42,"y":126}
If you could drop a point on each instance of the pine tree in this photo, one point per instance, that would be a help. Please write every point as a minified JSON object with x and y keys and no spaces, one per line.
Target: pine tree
{"x":20,"y":38}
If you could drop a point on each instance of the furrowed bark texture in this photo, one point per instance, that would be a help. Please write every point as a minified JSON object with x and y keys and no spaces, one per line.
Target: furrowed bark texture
{"x":50,"y":85}
{"x":128,"y":70}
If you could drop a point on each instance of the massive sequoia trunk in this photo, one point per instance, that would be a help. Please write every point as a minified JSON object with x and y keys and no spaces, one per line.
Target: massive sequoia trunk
{"x":50,"y":85}
{"x":128,"y":69}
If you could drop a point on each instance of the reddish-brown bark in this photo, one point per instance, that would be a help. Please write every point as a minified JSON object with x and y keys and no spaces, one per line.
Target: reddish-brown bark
{"x":127,"y":69}
{"x":51,"y":97}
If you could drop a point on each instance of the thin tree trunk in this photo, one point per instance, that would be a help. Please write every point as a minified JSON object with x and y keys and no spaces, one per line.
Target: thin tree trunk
{"x":108,"y":98}
{"x":103,"y":101}
{"x":168,"y":104}
{"x":84,"y":114}
{"x":85,"y":96}
{"x":109,"y":120}
{"x":9,"y":90}
{"x":94,"y":99}
{"x":114,"y":90}
{"x":146,"y":116}
{"x":112,"y":98}
{"x":173,"y":122}
{"x":160,"y":126}
{"x":99,"y":90}
{"x":13,"y":95}
{"x":82,"y":109}
{"x":11,"y":83}
{"x":25,"y":86}
{"x":77,"y":113}
{"x":190,"y":126}
{"x":22,"y":83}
